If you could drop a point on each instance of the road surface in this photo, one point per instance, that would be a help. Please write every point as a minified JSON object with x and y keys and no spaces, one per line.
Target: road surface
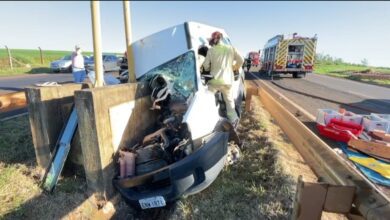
{"x":360,"y":89}
{"x":318,"y":91}
{"x":17,"y":83}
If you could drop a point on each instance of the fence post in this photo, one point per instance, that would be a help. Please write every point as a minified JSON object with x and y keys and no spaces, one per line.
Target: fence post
{"x":9,"y":57}
{"x":40,"y":51}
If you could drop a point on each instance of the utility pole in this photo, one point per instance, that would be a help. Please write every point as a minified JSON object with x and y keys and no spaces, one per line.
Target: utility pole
{"x":97,"y":43}
{"x":130,"y":57}
{"x":40,"y":51}
{"x":9,"y":57}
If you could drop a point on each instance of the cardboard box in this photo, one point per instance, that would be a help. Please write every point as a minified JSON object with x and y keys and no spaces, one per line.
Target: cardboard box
{"x":325,"y":115}
{"x":371,"y":123}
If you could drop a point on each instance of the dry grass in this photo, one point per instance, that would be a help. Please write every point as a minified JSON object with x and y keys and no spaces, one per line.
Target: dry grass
{"x":20,"y":194}
{"x":260,"y":186}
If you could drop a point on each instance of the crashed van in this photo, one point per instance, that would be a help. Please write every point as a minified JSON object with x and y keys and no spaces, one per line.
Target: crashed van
{"x":188,"y":148}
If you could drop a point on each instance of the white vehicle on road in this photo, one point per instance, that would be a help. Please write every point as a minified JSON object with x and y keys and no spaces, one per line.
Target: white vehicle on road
{"x":110,"y":63}
{"x":63,"y":64}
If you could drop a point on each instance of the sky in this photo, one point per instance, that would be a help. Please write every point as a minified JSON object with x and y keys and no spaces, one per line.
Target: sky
{"x":352,"y":31}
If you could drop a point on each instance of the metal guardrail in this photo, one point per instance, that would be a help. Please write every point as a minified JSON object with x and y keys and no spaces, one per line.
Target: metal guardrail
{"x":328,"y":165}
{"x":12,"y":101}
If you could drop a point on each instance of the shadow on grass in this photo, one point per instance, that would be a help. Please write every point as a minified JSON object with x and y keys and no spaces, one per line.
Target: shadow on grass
{"x":36,"y":70}
{"x":253,"y":188}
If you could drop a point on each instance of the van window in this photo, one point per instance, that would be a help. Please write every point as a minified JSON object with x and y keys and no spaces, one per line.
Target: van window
{"x":226,"y":41}
{"x":202,"y":41}
{"x":181,"y":71}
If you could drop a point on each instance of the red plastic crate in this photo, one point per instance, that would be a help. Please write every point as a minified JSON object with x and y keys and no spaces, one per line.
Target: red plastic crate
{"x":338,"y":130}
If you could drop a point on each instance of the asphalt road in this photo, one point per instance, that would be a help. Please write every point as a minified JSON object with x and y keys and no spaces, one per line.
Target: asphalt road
{"x":318,"y":91}
{"x":357,"y":88}
{"x":17,"y":83}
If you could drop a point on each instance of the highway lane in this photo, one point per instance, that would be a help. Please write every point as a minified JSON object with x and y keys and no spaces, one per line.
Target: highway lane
{"x":353,"y":87}
{"x":17,"y":83}
{"x":316,"y":91}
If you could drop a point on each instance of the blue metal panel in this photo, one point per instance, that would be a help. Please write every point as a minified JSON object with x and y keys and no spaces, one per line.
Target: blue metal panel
{"x":62,"y":153}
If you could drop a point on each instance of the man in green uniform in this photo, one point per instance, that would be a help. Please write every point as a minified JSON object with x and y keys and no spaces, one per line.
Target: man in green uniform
{"x":222,"y":61}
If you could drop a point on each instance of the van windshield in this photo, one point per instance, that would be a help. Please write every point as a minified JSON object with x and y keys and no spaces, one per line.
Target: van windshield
{"x":181,"y":72}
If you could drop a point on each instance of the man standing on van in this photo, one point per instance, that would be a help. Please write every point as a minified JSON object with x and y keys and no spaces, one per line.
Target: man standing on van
{"x":78,"y":65}
{"x":220,"y":62}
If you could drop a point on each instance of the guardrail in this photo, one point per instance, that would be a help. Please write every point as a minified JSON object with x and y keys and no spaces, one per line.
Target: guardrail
{"x":328,"y":166}
{"x":12,"y":101}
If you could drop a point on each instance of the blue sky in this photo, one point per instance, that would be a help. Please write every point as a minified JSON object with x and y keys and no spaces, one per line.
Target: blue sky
{"x":349,"y":30}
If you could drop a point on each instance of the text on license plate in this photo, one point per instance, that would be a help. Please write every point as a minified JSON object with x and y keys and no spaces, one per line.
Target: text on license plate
{"x":152,"y":202}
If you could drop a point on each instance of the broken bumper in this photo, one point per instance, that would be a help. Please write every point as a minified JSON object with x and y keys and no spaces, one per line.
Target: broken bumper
{"x":188,"y":176}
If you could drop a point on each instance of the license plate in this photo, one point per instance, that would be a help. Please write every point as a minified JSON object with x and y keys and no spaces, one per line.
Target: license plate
{"x":152,"y":202}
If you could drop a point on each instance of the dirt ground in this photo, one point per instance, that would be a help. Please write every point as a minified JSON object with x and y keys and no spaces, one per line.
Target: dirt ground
{"x":261,"y":185}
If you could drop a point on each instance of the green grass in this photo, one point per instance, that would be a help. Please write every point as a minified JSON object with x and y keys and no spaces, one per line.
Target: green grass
{"x":246,"y":190}
{"x":20,"y":194}
{"x":345,"y":71}
{"x":32,"y":59}
{"x":348,"y":68}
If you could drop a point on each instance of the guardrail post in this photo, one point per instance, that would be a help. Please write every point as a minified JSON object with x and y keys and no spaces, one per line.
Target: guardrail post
{"x":9,"y":57}
{"x":311,"y":199}
{"x":40,"y":51}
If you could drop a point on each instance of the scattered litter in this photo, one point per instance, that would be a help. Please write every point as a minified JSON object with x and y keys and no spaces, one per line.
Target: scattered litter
{"x":233,"y":154}
{"x":47,"y":84}
{"x":364,"y":139}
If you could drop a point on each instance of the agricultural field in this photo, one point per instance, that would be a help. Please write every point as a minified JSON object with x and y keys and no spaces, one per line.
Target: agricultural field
{"x":29,"y":61}
{"x":362,"y":73}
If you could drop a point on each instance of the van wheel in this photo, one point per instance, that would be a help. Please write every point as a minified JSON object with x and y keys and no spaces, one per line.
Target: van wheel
{"x":295,"y":75}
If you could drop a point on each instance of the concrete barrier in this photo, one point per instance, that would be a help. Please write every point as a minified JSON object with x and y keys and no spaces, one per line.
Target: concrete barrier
{"x":110,"y":117}
{"x":49,"y":108}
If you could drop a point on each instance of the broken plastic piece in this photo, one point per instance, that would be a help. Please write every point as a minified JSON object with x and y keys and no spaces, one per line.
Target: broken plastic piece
{"x":127,"y":163}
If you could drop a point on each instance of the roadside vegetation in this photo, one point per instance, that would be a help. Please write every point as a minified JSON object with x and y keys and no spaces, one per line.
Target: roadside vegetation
{"x":29,"y":61}
{"x":261,"y":185}
{"x":362,"y":72}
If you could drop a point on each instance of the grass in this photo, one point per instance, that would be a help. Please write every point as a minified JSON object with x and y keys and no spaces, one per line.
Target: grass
{"x":246,"y":190}
{"x":261,"y":185}
{"x":347,"y":68}
{"x":29,"y":61}
{"x":20,"y":194}
{"x":346,"y":71}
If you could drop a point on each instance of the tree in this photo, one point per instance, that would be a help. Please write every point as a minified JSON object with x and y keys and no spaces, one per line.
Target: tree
{"x":364,"y":62}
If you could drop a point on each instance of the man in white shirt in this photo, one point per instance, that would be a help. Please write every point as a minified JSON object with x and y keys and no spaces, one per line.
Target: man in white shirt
{"x":78,"y":69}
{"x":219,"y":61}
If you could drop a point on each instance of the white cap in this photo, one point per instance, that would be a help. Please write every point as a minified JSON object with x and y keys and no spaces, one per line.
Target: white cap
{"x":77,"y":47}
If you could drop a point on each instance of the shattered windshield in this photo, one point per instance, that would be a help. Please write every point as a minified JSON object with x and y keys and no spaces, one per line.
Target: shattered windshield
{"x":180,"y":72}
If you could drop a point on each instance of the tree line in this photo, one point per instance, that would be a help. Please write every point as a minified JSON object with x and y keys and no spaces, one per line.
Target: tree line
{"x":326,"y":59}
